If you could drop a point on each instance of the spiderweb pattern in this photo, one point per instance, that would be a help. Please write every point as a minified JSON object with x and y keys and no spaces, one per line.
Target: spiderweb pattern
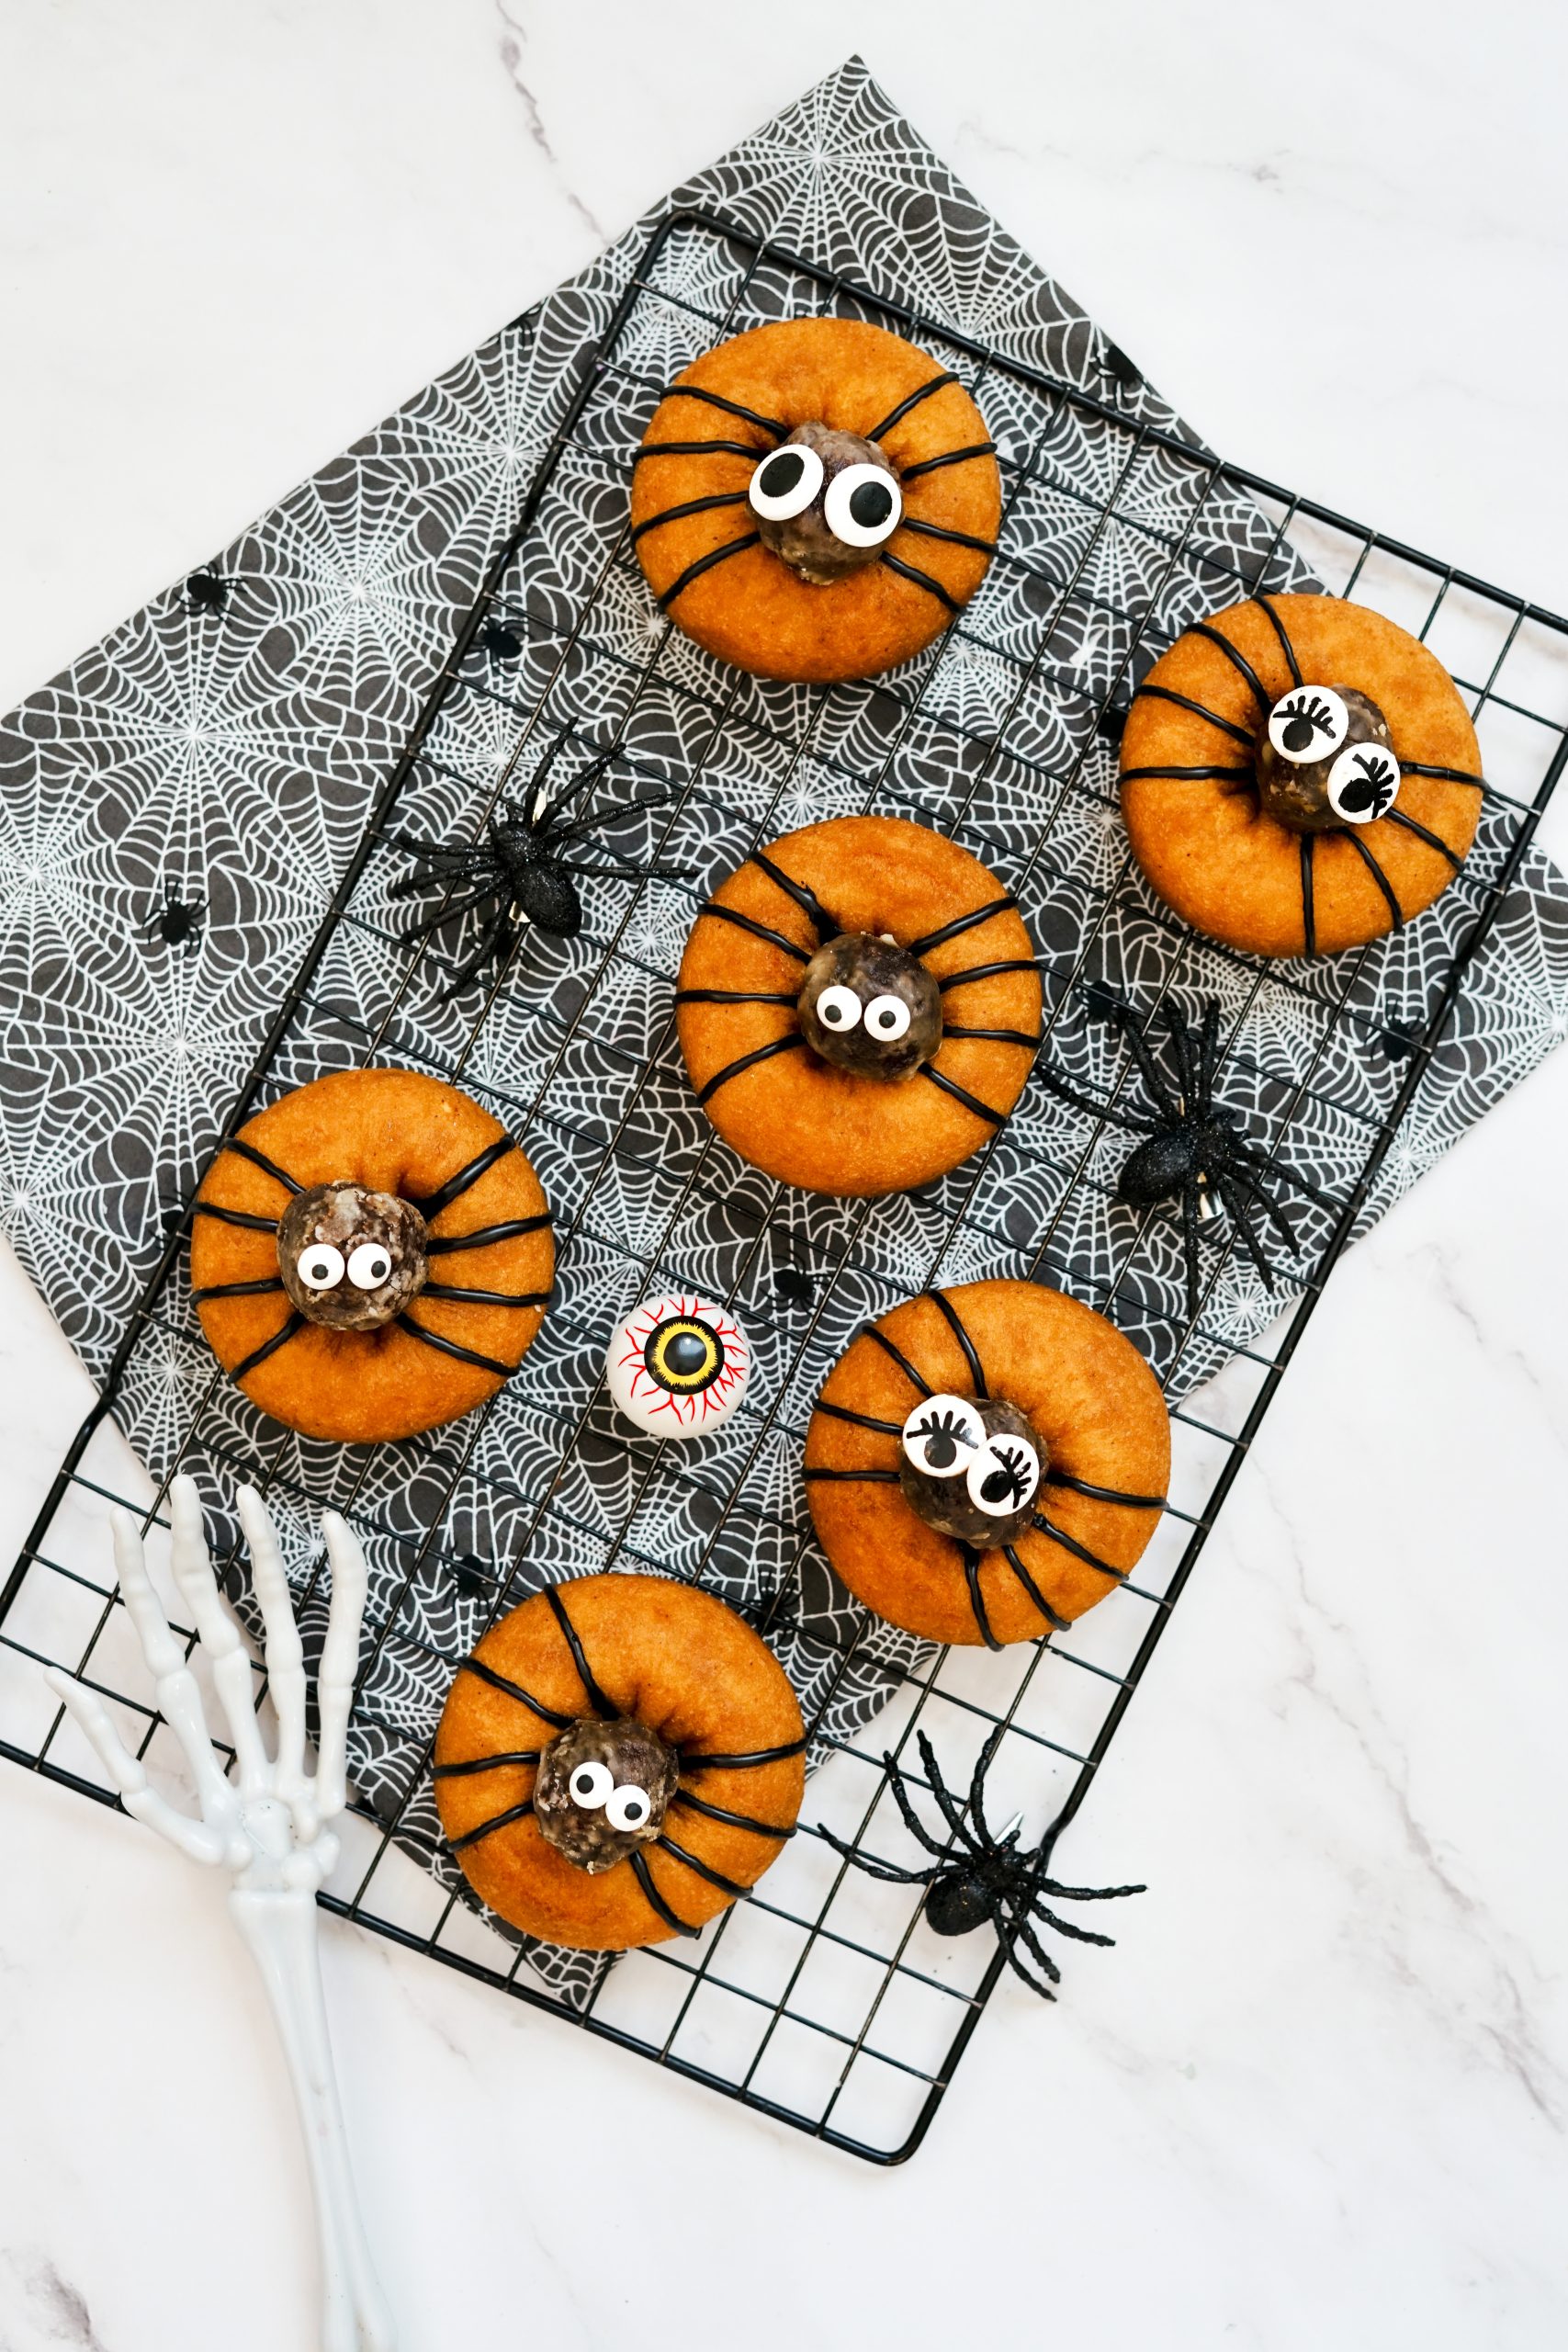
{"x":229,"y":756}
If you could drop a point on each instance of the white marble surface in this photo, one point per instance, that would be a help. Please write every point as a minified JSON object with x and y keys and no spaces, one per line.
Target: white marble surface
{"x":1319,"y":2094}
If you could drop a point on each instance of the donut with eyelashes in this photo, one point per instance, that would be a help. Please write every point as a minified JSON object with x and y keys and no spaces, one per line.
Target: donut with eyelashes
{"x":618,"y":1761}
{"x":987,"y":1461}
{"x":859,"y":1006}
{"x":814,"y":500}
{"x":1299,"y":775}
{"x":371,"y":1256}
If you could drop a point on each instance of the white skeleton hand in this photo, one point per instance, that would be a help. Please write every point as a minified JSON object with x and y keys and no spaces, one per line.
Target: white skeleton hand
{"x":269,"y":1828}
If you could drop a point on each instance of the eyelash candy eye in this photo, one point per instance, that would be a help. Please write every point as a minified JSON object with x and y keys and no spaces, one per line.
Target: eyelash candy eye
{"x":1309,"y":724}
{"x":1363,"y":783}
{"x":1003,"y":1475}
{"x":677,"y":1366}
{"x":942,"y":1434}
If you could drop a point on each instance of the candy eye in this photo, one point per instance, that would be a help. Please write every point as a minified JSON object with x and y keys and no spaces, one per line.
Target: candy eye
{"x":785,"y":482}
{"x":839,"y":1010}
{"x":629,"y":1807}
{"x":1363,"y":783}
{"x":1003,"y":1475}
{"x":321,"y":1266}
{"x":886,"y":1019}
{"x":590,"y":1786}
{"x":369,"y":1266}
{"x":863,"y":506}
{"x":1309,"y":724}
{"x":684,"y":1355}
{"x":941,"y":1433}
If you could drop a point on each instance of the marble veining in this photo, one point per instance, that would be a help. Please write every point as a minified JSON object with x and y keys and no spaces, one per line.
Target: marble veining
{"x":1317,"y":2092}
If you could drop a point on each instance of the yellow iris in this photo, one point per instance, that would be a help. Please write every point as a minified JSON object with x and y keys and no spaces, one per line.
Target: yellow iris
{"x":684,"y":1355}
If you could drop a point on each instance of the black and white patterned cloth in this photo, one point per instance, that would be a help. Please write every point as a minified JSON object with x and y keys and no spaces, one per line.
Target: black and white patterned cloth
{"x":220,"y":752}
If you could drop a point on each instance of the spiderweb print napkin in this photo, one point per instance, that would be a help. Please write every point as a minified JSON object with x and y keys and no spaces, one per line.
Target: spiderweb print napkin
{"x":222,"y":750}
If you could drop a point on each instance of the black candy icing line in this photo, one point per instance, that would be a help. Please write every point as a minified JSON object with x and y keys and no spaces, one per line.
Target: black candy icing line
{"x":995,"y":1036}
{"x":773,"y":424}
{"x":853,"y":1477}
{"x":465,"y":1177}
{"x":732,"y":1820}
{"x":259,"y":1160}
{"x":916,"y":1379}
{"x":679,"y":585}
{"x":488,"y":1828}
{"x":483,"y":1236}
{"x":1052,"y":1617}
{"x":911,"y":401}
{"x":1424,"y":833}
{"x":757,"y":930}
{"x":804,"y":897}
{"x":745,"y":1761}
{"x":1309,"y":921}
{"x":961,"y":923}
{"x":1103,"y":1494}
{"x":1044,"y":1526}
{"x":859,"y":1420}
{"x":919,"y":579}
{"x":1449,"y":776}
{"x":952,"y":457}
{"x":268,"y":1347}
{"x":603,"y":1705}
{"x":486,"y":1297}
{"x":987,"y":971}
{"x":1278,"y":625}
{"x":1237,"y":660}
{"x":1199,"y":710}
{"x":954,"y":1322}
{"x":784,"y":1044}
{"x":971,"y":1559}
{"x":1191,"y":774}
{"x":704,"y":1869}
{"x":237,"y":1217}
{"x":486,"y":1764}
{"x":451,"y":1348}
{"x":961,"y":1094}
{"x":689,"y":507}
{"x":954,"y":538}
{"x":1396,"y":913}
{"x":735,"y":996}
{"x":238,"y":1290}
{"x":672,"y":1919}
{"x":694,"y":449}
{"x":508,"y":1689}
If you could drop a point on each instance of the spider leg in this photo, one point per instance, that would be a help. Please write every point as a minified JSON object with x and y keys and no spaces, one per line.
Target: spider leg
{"x":1236,"y":1202}
{"x":438,"y":868}
{"x":876,"y":1870}
{"x":1250,"y":1184}
{"x":1126,"y":1020}
{"x":621,"y":872}
{"x":1060,"y":1893}
{"x":601,"y":816}
{"x":1066,"y":1927}
{"x":1018,"y":1930}
{"x":1252,"y":1157}
{"x":450,"y":914}
{"x":948,"y":1804}
{"x":1190,"y":1246}
{"x":977,"y":1787}
{"x":1208,"y":1053}
{"x":1181,"y":1046}
{"x":498,"y":941}
{"x":1135,"y":1122}
{"x":912,"y":1821}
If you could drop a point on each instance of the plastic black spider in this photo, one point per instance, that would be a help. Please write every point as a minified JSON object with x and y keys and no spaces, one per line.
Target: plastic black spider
{"x":177,"y":922}
{"x":516,"y":868}
{"x":1193,"y":1152}
{"x":986,"y":1877}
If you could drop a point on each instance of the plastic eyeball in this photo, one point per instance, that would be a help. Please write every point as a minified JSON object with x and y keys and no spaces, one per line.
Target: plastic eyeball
{"x":590,"y":1786}
{"x":942,"y":1435}
{"x":678,"y":1365}
{"x":1003,"y":1477}
{"x":864,"y":506}
{"x":785,"y":483}
{"x":1363,"y":783}
{"x":1309,"y":723}
{"x":886,"y":1019}
{"x":629,"y":1807}
{"x":321,"y":1266}
{"x":839,"y":1008}
{"x":369,"y":1266}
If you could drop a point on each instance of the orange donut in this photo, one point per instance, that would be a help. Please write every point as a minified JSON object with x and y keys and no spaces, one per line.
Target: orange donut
{"x":700,"y":538}
{"x":778,"y":1102}
{"x":626,"y":1655}
{"x":392,"y":1155}
{"x":1194,"y":756}
{"x":1099,"y":1420}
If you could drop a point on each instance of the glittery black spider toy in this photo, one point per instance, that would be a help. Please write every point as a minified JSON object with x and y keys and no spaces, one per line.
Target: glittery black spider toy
{"x":977,"y":1876}
{"x":1192,"y":1152}
{"x":519,"y":870}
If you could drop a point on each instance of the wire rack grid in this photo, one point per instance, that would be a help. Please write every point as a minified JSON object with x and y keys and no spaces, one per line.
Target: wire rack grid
{"x":823,"y":2000}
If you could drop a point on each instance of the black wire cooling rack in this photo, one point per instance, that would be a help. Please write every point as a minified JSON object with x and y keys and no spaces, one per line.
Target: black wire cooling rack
{"x":823,"y":2000}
